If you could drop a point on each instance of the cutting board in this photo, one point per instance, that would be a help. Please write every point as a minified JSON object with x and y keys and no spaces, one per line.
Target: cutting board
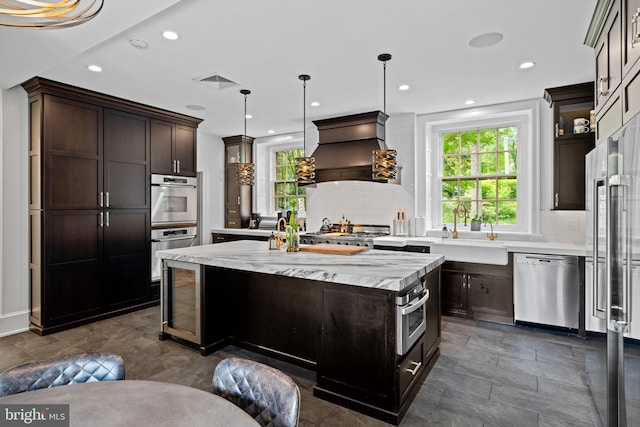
{"x":328,"y":248}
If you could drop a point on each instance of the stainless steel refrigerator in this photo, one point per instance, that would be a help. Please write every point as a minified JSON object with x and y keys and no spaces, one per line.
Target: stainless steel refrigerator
{"x":612,"y":270}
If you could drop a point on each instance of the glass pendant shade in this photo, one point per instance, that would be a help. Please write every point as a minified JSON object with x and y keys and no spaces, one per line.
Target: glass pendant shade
{"x":384,"y":165}
{"x":246,"y":174}
{"x":305,"y":170}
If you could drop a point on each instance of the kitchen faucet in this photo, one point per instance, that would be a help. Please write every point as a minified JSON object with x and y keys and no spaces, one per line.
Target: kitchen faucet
{"x":460,"y":209}
{"x":491,"y":236}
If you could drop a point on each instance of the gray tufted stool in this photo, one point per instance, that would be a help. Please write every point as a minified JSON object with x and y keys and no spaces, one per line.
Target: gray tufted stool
{"x":62,"y":371}
{"x":265,"y":393}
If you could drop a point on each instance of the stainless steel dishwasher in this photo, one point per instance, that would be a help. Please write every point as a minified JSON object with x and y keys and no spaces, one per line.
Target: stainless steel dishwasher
{"x":546,"y":289}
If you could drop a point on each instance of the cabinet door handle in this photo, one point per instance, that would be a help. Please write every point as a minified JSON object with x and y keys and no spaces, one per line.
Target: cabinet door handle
{"x":107,"y":223}
{"x":635,"y":36}
{"x":174,"y":168}
{"x":238,"y":200}
{"x":555,"y":200}
{"x":177,"y":166}
{"x":101,"y":220}
{"x":601,"y":81}
{"x":415,"y":369}
{"x":101,"y":199}
{"x":107,"y":198}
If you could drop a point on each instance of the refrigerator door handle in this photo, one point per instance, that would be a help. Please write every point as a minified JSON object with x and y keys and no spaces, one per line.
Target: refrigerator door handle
{"x":598,"y":311}
{"x":619,"y":252}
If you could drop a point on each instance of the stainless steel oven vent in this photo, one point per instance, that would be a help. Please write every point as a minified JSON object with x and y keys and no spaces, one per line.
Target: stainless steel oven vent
{"x":217,"y":81}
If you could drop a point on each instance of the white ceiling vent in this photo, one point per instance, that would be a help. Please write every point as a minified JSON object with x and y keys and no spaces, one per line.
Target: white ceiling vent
{"x":216,"y":81}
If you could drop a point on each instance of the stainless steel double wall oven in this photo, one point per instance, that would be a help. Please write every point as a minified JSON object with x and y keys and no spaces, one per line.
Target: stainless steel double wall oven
{"x":174,"y":216}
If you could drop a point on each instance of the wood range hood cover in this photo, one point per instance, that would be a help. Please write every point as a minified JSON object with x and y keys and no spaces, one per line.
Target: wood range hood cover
{"x":346,"y":144}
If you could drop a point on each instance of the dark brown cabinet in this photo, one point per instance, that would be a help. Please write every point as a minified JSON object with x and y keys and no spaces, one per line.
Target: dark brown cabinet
{"x":173,"y":148}
{"x":571,"y":144}
{"x":237,"y":198}
{"x":89,"y":205}
{"x":481,"y":291}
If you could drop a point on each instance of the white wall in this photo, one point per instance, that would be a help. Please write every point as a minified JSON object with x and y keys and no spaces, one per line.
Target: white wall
{"x":14,"y":267}
{"x":211,"y":167}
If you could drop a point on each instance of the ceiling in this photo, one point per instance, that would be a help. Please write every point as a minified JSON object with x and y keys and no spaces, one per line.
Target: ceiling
{"x":265,"y":45}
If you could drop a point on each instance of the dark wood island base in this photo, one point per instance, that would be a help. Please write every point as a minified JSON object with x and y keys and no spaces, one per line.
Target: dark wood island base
{"x":346,"y":333}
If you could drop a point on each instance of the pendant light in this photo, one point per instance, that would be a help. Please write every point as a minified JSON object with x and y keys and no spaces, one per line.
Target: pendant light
{"x":47,"y":14}
{"x":383,"y":162}
{"x":246,"y":171}
{"x":305,"y":166}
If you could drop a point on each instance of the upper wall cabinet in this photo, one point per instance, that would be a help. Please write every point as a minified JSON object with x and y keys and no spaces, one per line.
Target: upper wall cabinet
{"x":173,"y":148}
{"x":614,"y":33}
{"x":573,"y":138}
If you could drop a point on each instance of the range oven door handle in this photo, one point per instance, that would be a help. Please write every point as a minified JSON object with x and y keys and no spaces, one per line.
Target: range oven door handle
{"x":413,"y":307}
{"x":173,"y":239}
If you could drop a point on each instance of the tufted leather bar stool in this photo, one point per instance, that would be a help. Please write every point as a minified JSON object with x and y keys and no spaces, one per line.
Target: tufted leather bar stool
{"x":82,"y":368}
{"x":265,"y":393}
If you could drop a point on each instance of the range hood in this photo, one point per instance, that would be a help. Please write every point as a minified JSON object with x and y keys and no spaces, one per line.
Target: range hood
{"x":346,"y":144}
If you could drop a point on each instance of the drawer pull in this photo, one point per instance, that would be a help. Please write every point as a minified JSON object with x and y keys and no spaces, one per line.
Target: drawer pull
{"x":415,"y":369}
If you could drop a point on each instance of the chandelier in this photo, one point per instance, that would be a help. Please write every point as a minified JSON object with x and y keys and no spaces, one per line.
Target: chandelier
{"x":246,"y":171}
{"x":47,"y":14}
{"x":305,"y":166}
{"x":383,"y":162}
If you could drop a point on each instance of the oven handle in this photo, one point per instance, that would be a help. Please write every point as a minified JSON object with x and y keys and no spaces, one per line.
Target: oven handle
{"x":173,"y":239}
{"x":413,"y":307}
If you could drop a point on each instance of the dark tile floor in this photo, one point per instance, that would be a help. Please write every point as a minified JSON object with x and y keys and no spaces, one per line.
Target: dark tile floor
{"x":487,"y":375}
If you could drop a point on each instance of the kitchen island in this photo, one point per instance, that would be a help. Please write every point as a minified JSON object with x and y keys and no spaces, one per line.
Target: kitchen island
{"x":334,"y":314}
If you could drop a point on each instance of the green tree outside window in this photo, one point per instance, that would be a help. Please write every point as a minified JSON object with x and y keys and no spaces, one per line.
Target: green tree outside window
{"x":480,"y":170}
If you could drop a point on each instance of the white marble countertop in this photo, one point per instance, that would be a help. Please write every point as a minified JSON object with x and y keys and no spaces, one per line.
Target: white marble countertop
{"x":521,"y":246}
{"x":243,"y":231}
{"x":379,"y":269}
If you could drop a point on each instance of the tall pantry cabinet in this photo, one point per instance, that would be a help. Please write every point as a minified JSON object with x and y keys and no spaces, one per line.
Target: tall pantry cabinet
{"x":89,"y":205}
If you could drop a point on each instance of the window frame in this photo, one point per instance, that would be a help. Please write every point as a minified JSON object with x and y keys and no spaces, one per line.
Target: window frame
{"x":479,"y":176}
{"x":273,"y":165}
{"x":526,"y":114}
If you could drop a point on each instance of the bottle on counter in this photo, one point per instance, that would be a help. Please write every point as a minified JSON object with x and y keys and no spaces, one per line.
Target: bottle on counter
{"x":293,"y":242}
{"x":272,"y":242}
{"x":445,"y":231}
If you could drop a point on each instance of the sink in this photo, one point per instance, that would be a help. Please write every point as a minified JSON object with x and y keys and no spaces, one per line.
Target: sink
{"x":472,"y":250}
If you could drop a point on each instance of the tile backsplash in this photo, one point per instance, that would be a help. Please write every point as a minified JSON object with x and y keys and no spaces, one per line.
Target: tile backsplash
{"x":361,"y":202}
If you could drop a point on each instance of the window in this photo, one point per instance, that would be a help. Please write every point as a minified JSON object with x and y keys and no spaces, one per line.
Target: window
{"x":479,"y":171}
{"x":286,"y":193}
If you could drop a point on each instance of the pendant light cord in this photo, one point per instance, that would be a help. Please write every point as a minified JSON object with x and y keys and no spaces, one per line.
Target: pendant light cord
{"x":245,"y":115}
{"x":384,"y":102}
{"x":304,"y":118}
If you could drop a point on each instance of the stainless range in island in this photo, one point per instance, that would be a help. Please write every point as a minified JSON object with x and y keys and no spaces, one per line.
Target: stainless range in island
{"x":368,"y":323}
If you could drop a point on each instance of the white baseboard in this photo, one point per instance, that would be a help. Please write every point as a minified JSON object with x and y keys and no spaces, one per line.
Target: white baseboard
{"x":14,"y":323}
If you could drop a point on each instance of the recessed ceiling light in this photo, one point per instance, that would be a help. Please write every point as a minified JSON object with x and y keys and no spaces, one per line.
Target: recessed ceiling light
{"x":170,"y":35}
{"x":94,"y":68}
{"x":527,"y":64}
{"x":195,"y":107}
{"x":271,"y":131}
{"x":403,"y":87}
{"x":486,"y":40}
{"x":315,"y":104}
{"x":139,"y":44}
{"x":469,"y":102}
{"x":248,"y":116}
